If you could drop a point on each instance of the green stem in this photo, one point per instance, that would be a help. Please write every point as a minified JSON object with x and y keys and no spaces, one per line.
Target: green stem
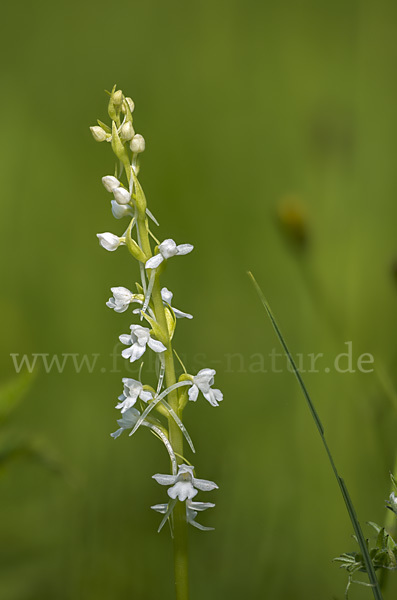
{"x":175,"y":434}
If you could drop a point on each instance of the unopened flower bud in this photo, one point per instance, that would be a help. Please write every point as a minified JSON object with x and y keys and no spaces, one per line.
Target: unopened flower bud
{"x":127,"y":131}
{"x":111,"y":183}
{"x":109,"y":241}
{"x":119,"y":211}
{"x":98,"y":134}
{"x":121,"y":195}
{"x":118,"y":98}
{"x":137,"y":144}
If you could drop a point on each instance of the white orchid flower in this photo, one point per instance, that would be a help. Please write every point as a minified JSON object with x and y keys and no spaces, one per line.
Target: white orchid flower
{"x":138,"y":340}
{"x":184,"y":485}
{"x":167,"y":296}
{"x":122,"y":298}
{"x":202,"y":382}
{"x":192,"y":508}
{"x":167,"y":249}
{"x":127,"y":421}
{"x":109,"y":241}
{"x":132,"y":391}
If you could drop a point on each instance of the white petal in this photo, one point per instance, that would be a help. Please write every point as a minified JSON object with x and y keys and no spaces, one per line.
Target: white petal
{"x":145,"y":396}
{"x":126,"y":404}
{"x":125,"y":339}
{"x":164,"y":479}
{"x":136,"y":352}
{"x":126,"y":353}
{"x":119,"y":211}
{"x":140,"y":331}
{"x":129,"y":418}
{"x":121,"y":308}
{"x":200,"y":506}
{"x":166,"y":295}
{"x":132,"y":384}
{"x":184,"y":468}
{"x":117,"y":433}
{"x":154,"y":262}
{"x":156,"y":345}
{"x":204,"y":485}
{"x":213,"y":396}
{"x":205,"y":376}
{"x":109,"y":241}
{"x":193,"y":393}
{"x":184,"y":248}
{"x":199,"y":526}
{"x":218,"y":395}
{"x":122,"y":293}
{"x":180,"y":315}
{"x":168,"y":248}
{"x":161,"y":508}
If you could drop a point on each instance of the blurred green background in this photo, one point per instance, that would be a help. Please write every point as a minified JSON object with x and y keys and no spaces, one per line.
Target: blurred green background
{"x":251,"y":111}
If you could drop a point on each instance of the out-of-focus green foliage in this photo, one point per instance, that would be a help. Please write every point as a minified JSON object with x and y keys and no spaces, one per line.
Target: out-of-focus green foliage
{"x":243,"y":105}
{"x":12,"y":392}
{"x":17,"y":444}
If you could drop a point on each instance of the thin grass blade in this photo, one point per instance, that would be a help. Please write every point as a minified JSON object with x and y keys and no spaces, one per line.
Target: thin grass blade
{"x":348,"y":502}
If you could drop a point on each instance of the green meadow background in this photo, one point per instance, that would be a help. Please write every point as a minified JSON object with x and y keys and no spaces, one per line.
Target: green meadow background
{"x":271,"y":133}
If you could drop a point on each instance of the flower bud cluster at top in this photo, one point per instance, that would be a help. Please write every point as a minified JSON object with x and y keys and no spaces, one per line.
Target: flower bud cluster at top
{"x":158,"y":408}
